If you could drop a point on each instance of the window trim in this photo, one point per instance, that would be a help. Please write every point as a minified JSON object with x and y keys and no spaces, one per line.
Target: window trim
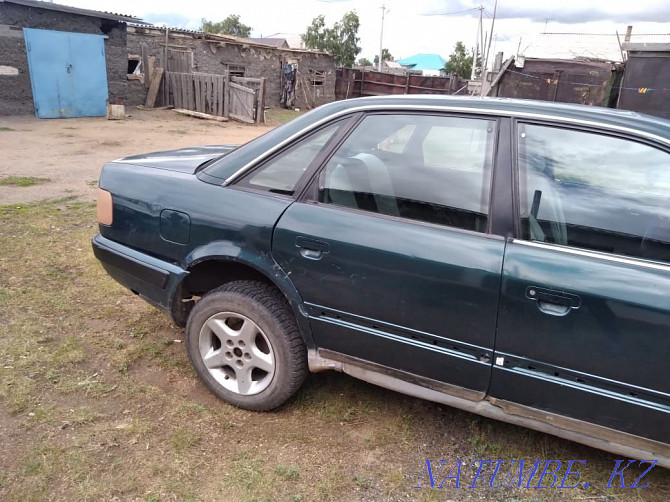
{"x":601,"y":255}
{"x":243,"y":184}
{"x":575,"y":250}
{"x":310,"y":193}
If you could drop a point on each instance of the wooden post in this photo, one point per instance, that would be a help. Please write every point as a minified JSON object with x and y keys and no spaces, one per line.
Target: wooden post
{"x":226,"y":95}
{"x":629,"y":32}
{"x":145,"y":65}
{"x":260,"y":106}
{"x":407,"y":84}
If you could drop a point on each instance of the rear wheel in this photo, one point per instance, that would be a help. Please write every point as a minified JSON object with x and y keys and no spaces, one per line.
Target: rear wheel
{"x":244,"y":344}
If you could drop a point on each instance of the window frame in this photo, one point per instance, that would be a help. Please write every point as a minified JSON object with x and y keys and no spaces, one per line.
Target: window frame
{"x":310,"y":193}
{"x":516,"y":186}
{"x":243,"y":182}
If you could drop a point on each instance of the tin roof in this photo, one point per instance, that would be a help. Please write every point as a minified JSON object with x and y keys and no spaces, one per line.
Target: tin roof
{"x":76,"y":10}
{"x":603,"y":46}
{"x":423,"y":62}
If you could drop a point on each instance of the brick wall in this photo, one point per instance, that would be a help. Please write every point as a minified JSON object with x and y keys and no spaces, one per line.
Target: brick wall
{"x":15,"y":91}
{"x":211,"y":55}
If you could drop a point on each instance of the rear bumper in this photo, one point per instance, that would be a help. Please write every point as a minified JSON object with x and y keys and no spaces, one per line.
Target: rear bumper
{"x":154,"y":280}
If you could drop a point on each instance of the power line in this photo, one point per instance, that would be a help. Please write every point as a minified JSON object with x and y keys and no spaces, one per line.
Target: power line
{"x":449,"y":13}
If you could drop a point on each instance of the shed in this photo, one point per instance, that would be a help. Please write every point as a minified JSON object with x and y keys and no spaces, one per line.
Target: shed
{"x":293,"y":77}
{"x":61,"y":61}
{"x":645,"y":86}
{"x":563,"y":80}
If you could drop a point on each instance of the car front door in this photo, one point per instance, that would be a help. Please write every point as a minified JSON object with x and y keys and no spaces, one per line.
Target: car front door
{"x":391,"y":251}
{"x":584,"y":322}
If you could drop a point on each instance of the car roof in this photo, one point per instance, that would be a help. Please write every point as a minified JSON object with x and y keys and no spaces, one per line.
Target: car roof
{"x":524,"y":108}
{"x":235,"y":164}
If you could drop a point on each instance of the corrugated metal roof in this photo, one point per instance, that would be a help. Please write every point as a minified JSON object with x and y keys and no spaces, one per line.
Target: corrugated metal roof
{"x":604,"y":46}
{"x":76,"y":10}
{"x":423,"y":62}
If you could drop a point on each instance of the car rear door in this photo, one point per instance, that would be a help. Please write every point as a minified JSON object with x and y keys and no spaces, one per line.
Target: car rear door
{"x":392,"y":251}
{"x":584,"y":322}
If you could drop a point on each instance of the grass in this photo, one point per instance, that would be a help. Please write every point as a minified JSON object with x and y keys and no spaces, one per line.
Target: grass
{"x":22,"y":181}
{"x":5,"y":128}
{"x":97,"y":402}
{"x":112,"y":142}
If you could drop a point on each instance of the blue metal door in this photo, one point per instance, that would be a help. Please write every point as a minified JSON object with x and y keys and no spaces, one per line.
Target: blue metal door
{"x":67,"y":72}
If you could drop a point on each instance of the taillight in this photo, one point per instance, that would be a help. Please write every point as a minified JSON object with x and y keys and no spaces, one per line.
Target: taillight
{"x":104,"y":207}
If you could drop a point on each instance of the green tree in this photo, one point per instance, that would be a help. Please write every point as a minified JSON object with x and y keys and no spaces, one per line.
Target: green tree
{"x":341,"y":40}
{"x":229,"y":26}
{"x":459,"y":61}
{"x":364,"y":62}
{"x":386,"y":56}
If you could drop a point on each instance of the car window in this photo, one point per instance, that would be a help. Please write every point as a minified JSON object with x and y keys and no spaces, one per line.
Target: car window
{"x":282,"y":173}
{"x":441,"y":174}
{"x":594,"y":191}
{"x":456,"y":145}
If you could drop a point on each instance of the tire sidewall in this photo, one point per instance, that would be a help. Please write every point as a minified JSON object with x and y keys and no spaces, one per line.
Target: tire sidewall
{"x":234,"y":302}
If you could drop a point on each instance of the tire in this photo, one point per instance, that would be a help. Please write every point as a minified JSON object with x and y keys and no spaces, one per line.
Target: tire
{"x":244,"y":344}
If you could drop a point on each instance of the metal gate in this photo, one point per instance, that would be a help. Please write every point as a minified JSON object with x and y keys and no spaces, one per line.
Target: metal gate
{"x":242,"y":103}
{"x":68,"y":73}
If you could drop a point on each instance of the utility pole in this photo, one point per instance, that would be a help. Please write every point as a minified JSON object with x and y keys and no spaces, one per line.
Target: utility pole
{"x":477,"y":43}
{"x":381,"y":39}
{"x":488,"y":49}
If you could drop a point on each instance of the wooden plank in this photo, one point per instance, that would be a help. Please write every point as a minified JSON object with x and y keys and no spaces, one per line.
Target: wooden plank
{"x":221,"y":95}
{"x":182,"y":88}
{"x":196,"y":84}
{"x":204,"y":90}
{"x":145,"y":65}
{"x":153,"y":90}
{"x":199,"y":115}
{"x":189,"y":93}
{"x":260,"y":104}
{"x":211,"y":96}
{"x":241,"y":88}
{"x":175,"y":88}
{"x":246,"y":80}
{"x":226,"y":96}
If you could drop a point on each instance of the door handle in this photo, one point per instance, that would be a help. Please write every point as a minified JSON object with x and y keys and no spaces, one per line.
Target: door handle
{"x":552,"y":302}
{"x":312,"y":249}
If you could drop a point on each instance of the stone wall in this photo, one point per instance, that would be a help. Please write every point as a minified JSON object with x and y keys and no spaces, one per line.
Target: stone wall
{"x":16,"y":96}
{"x":215,"y":55}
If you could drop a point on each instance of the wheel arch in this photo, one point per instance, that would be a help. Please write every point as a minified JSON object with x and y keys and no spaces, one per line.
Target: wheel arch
{"x":207,"y":272}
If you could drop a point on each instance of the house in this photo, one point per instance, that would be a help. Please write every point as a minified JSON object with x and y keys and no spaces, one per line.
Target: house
{"x":280,"y":43}
{"x":294,"y":40}
{"x":427,"y":64}
{"x":293,"y":77}
{"x":61,"y":61}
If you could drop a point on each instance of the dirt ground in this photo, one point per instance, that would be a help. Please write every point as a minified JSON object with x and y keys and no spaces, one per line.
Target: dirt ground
{"x":98,"y":400}
{"x":71,"y":152}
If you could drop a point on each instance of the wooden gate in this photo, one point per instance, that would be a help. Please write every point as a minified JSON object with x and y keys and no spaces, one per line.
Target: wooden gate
{"x":199,"y":92}
{"x":239,"y":98}
{"x":242,"y":103}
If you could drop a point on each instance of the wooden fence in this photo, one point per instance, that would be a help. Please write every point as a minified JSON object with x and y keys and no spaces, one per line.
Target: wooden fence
{"x":239,"y":98}
{"x":356,"y":82}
